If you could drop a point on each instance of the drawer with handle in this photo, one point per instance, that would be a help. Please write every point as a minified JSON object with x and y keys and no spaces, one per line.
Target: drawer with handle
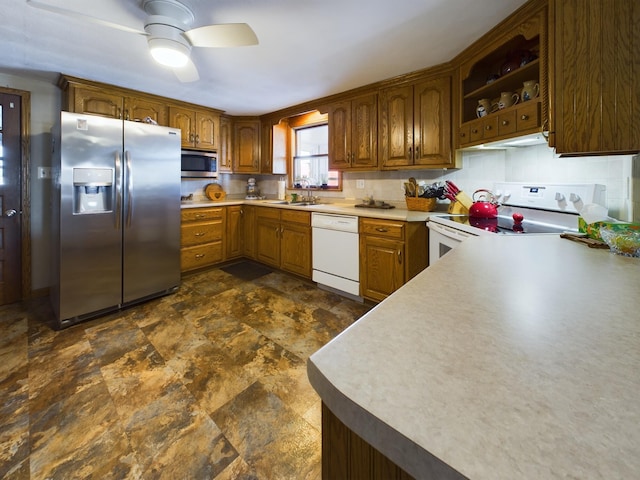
{"x":201,"y":214}
{"x":200,"y":256}
{"x":382,"y":228}
{"x":200,"y":233}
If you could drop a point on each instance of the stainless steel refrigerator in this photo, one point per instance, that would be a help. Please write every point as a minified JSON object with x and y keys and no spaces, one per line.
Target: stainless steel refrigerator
{"x":116,"y":215}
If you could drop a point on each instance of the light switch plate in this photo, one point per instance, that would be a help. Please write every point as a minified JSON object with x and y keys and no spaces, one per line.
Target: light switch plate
{"x":360,"y":183}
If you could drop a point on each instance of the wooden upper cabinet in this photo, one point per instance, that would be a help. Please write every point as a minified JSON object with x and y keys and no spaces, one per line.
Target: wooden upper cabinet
{"x":114,"y":104}
{"x":139,"y":109}
{"x":200,"y":128}
{"x":396,"y":126}
{"x":596,"y":93}
{"x":96,"y":102}
{"x":432,"y":122}
{"x":416,"y":124}
{"x":207,"y":130}
{"x":353,"y":133}
{"x":183,"y":119}
{"x":225,"y":152}
{"x":246,"y":146}
{"x":274,"y":152}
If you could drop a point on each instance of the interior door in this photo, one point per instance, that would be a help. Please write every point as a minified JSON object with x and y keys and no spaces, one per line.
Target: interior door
{"x":10,"y":203}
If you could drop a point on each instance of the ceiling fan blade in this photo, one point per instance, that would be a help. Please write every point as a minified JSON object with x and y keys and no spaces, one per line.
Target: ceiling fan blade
{"x":222,"y":35}
{"x":188,"y":73}
{"x":83,"y":16}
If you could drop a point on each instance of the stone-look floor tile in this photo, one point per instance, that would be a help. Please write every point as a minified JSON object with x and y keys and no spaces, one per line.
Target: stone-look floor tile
{"x":62,"y":373}
{"x":80,"y":437}
{"x":237,"y":470}
{"x":314,"y":415}
{"x":14,"y":392}
{"x":208,"y":382}
{"x":14,"y":439}
{"x":162,"y":420}
{"x":245,"y":422}
{"x":296,"y":336}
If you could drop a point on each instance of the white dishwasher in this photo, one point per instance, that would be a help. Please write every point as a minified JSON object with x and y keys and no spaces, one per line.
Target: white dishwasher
{"x":336,"y":252}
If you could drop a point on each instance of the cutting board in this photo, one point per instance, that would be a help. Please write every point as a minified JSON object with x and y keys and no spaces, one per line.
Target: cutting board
{"x":214,"y":191}
{"x":590,"y":242}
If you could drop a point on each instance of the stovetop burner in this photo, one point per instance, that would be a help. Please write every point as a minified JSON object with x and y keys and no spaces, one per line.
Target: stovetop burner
{"x":507,"y":226}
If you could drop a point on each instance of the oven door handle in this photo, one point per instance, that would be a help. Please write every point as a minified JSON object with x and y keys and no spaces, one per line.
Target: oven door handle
{"x":449,"y":232}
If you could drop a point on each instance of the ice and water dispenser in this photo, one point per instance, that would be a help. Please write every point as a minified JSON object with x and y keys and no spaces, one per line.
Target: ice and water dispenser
{"x":92,"y":190}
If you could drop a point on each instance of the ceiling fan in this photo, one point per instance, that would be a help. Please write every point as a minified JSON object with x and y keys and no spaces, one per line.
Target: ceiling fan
{"x":169,"y":33}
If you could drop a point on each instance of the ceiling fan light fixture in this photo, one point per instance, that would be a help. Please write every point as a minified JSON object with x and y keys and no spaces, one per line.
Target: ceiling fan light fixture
{"x":168,"y":52}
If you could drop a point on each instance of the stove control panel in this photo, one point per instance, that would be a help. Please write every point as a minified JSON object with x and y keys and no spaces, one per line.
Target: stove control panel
{"x":557,"y":197}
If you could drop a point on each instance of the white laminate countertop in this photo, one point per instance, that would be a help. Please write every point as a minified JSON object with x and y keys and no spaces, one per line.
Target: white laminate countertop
{"x":510,"y":358}
{"x":341,"y":208}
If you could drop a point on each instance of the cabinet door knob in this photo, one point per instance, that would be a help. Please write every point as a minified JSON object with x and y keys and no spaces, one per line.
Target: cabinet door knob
{"x":381,"y":230}
{"x":505,"y":122}
{"x":524,"y":117}
{"x":488,"y":127}
{"x":199,"y":234}
{"x":400,"y":257}
{"x":462,"y":134}
{"x":200,"y":255}
{"x":475,"y":130}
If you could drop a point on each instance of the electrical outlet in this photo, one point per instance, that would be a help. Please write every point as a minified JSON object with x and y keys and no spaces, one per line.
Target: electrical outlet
{"x":44,"y":172}
{"x":360,"y":183}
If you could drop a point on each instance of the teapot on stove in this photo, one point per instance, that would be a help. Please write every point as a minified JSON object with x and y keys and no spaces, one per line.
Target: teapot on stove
{"x":485,"y":206}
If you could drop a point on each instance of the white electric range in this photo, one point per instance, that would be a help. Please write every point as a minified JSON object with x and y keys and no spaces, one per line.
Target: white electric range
{"x":546,"y":208}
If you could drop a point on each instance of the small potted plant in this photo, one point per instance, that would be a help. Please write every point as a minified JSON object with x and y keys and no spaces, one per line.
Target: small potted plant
{"x":324,"y":183}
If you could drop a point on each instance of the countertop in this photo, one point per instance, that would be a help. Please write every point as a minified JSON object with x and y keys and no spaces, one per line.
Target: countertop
{"x":343,"y":208}
{"x":510,"y":358}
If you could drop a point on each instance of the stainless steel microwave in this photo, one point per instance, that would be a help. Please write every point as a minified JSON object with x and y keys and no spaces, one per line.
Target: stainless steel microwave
{"x":199,"y":164}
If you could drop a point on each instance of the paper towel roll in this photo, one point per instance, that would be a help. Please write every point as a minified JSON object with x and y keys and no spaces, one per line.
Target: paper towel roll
{"x":281,"y":189}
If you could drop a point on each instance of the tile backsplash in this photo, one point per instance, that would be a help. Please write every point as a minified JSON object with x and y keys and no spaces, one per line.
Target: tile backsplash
{"x":480,"y":169}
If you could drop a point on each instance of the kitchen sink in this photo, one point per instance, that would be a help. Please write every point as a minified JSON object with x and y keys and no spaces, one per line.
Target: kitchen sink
{"x":293,"y":204}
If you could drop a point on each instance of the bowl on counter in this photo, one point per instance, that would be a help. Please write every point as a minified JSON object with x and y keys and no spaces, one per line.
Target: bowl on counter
{"x":623,"y":241}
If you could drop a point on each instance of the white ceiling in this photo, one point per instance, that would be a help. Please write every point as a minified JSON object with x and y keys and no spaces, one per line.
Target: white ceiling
{"x":308,"y":48}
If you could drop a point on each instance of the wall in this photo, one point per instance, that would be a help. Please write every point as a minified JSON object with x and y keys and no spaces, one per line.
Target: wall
{"x":480,"y":169}
{"x":45,"y":103}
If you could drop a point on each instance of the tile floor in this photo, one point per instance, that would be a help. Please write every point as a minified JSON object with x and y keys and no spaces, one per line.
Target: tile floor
{"x":209,"y":382}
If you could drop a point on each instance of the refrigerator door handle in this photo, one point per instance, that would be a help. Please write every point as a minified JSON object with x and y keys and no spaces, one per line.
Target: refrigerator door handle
{"x":129,"y":177}
{"x":118,"y":174}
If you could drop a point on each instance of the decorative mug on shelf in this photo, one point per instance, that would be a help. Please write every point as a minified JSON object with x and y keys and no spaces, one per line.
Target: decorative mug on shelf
{"x":485,"y":107}
{"x":530,"y":90}
{"x":507,"y":99}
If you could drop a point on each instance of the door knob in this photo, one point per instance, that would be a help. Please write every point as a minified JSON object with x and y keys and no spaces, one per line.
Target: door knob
{"x":10,"y":213}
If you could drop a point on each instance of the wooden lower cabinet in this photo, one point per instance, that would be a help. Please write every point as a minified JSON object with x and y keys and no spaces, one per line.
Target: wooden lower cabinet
{"x":202,"y":235}
{"x":391,"y":253}
{"x":249,"y":231}
{"x":283,"y":239}
{"x":234,"y":240}
{"x":346,"y":455}
{"x":295,"y":254}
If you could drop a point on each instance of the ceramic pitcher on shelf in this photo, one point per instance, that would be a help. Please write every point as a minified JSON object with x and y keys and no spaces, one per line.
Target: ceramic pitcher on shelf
{"x":484,"y":107}
{"x":530,"y":90}
{"x":507,"y":99}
